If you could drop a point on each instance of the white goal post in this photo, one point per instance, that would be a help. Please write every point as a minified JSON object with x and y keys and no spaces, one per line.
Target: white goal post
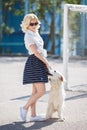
{"x":67,"y":7}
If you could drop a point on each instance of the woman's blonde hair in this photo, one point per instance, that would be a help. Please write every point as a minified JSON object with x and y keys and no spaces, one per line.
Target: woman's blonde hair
{"x":26,"y":21}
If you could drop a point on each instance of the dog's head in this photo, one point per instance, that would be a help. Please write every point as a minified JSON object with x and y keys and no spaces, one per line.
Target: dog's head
{"x":56,"y":78}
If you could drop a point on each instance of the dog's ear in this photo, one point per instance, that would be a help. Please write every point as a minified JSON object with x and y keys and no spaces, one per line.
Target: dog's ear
{"x":61,"y":78}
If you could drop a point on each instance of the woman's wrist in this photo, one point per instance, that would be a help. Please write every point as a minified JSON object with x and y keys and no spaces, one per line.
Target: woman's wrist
{"x":47,"y":65}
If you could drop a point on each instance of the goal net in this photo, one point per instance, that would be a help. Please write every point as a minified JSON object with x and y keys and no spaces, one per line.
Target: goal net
{"x":75,"y":45}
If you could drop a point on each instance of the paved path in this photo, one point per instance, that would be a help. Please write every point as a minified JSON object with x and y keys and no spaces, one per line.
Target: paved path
{"x":13,"y":94}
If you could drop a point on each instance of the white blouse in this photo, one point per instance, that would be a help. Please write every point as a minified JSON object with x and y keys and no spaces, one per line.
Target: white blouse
{"x":34,"y":38}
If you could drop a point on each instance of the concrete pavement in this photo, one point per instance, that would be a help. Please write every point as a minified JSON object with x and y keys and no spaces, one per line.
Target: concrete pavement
{"x":13,"y":94}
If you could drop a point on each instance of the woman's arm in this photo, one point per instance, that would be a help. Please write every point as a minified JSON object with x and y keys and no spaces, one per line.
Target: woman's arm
{"x":33,"y":47}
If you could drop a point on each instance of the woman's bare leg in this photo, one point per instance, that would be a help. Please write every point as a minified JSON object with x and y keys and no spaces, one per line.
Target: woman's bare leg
{"x":40,"y":91}
{"x":33,"y":106}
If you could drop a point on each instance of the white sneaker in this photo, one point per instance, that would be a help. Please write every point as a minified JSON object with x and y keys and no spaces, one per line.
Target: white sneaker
{"x":23,"y":113}
{"x":37,"y":118}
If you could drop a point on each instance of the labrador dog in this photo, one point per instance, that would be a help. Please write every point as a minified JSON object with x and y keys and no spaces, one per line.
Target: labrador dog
{"x":56,"y":95}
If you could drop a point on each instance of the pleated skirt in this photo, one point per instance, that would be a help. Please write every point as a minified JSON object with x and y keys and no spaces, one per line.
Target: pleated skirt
{"x":35,"y":71}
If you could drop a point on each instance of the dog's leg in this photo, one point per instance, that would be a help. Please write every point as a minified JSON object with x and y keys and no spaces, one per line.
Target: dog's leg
{"x":60,"y":115}
{"x":49,"y":111}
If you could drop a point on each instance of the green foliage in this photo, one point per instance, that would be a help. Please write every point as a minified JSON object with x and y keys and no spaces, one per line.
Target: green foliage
{"x":9,"y":6}
{"x":40,"y":8}
{"x":74,"y":25}
{"x":73,"y":1}
{"x":6,"y":29}
{"x":74,"y":20}
{"x":74,"y":29}
{"x":43,"y":6}
{"x":52,"y":6}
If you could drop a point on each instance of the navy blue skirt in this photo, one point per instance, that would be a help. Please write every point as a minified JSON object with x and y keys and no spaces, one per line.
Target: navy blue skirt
{"x":35,"y":71}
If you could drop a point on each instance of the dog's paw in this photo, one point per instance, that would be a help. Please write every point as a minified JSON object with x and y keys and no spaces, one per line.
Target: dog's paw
{"x":61,"y":119}
{"x":48,"y":117}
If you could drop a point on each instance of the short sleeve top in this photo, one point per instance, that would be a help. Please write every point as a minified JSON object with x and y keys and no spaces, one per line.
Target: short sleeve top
{"x":34,"y":38}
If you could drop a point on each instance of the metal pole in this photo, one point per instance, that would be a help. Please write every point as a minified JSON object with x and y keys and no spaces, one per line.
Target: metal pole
{"x":54,"y":37}
{"x":27,"y":6}
{"x":83,"y":29}
{"x":83,"y":32}
{"x":66,"y":38}
{"x":65,"y":45}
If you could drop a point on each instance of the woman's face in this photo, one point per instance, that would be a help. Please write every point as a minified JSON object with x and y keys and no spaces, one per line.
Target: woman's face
{"x":33,"y":25}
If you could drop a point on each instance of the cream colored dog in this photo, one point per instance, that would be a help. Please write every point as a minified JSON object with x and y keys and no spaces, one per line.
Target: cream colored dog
{"x":56,"y":96}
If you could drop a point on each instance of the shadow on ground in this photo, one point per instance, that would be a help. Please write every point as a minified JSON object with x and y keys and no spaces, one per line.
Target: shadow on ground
{"x":77,"y":97}
{"x":28,"y":125}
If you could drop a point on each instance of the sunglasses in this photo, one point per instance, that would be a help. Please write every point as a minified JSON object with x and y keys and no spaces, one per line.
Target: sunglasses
{"x":33,"y":24}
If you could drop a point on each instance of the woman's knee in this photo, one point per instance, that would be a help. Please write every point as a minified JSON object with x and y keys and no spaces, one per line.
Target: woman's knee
{"x":34,"y":90}
{"x":41,"y":93}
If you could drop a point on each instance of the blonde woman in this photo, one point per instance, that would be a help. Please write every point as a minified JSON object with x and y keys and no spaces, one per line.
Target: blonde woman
{"x":36,"y":67}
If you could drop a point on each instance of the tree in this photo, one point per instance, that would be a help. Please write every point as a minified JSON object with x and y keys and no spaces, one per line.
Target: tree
{"x":73,"y":1}
{"x":8,"y":7}
{"x":40,"y":7}
{"x":74,"y":26}
{"x":51,"y":7}
{"x":44,"y":7}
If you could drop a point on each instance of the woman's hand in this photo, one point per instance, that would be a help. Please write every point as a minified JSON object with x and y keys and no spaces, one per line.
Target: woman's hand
{"x":48,"y":66}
